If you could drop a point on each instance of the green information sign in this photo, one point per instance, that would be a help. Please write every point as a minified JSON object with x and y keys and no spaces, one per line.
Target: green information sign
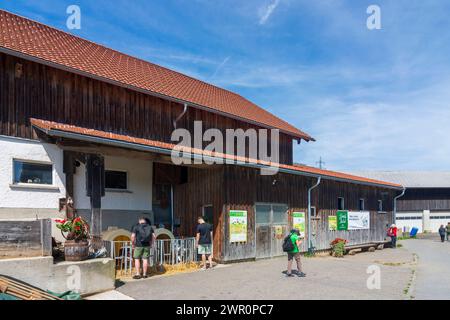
{"x":342,"y":220}
{"x":332,"y":223}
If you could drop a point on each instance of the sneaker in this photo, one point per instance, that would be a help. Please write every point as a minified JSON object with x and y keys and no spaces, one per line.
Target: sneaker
{"x":145,"y":276}
{"x":136,"y":276}
{"x":289,"y":275}
{"x":301,"y":274}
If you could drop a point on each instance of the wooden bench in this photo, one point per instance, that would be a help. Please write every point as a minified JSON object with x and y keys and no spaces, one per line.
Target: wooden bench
{"x":371,"y":247}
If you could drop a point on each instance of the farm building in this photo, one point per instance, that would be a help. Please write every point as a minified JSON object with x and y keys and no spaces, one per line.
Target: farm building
{"x":426,"y":203}
{"x":86,"y":130}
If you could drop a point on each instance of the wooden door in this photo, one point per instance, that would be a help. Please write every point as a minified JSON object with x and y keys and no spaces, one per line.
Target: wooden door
{"x":263,"y":231}
{"x":271,"y":228}
{"x":279,"y":226}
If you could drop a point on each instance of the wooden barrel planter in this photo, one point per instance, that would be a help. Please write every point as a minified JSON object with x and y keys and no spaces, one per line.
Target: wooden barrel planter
{"x":76,"y":250}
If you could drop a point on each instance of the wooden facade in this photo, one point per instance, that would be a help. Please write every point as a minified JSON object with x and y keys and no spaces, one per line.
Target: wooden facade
{"x":25,"y":238}
{"x":47,"y":93}
{"x":51,"y":94}
{"x":419,"y":199}
{"x":230,"y":187}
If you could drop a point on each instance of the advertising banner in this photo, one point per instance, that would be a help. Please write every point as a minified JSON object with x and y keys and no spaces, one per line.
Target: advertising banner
{"x":299,"y":222}
{"x":332,"y":223}
{"x":238,"y":226}
{"x":342,"y":220}
{"x":358,"y":220}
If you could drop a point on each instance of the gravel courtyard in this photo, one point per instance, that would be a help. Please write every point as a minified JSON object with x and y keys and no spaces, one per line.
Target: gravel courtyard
{"x":327,"y":278}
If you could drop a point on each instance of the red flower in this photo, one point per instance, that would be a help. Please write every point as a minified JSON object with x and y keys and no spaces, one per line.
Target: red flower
{"x":337,"y":240}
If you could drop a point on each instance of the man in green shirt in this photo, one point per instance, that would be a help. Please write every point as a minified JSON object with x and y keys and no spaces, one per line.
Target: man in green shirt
{"x":295,"y":254}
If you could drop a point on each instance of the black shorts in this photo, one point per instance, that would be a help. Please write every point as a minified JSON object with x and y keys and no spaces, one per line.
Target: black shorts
{"x":293,"y":255}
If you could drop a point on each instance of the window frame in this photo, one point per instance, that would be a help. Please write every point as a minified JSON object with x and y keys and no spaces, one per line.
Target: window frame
{"x":380,"y":206}
{"x":363,"y":202}
{"x":32,"y":185}
{"x":127,"y":189}
{"x":343,"y":203}
{"x":203,"y":212}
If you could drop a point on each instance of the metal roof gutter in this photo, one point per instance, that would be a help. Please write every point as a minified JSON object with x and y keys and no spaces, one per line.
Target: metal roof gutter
{"x":394,"y":218}
{"x":140,"y":147}
{"x":24,"y":56}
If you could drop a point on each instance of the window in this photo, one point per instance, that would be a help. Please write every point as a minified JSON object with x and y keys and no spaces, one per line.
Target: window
{"x":117,"y":180}
{"x":340,"y":203}
{"x":162,"y":205}
{"x":32,"y":172}
{"x":361,"y":205}
{"x":208,"y":214}
{"x":263,"y":213}
{"x":279,"y":214}
{"x":380,"y":205}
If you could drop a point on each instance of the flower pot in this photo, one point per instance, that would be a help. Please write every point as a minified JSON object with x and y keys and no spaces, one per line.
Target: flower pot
{"x":76,"y":250}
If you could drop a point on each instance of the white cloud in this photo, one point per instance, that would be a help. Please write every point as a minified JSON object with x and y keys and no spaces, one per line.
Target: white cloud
{"x":220,"y":66}
{"x":266,"y":11}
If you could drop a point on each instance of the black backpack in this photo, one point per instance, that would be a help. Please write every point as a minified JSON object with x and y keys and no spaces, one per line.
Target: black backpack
{"x":144,"y":234}
{"x":288,"y":246}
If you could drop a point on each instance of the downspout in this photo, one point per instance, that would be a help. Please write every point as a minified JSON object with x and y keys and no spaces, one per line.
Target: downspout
{"x":309,"y":214}
{"x":394,"y":218}
{"x":180,"y":116}
{"x":171,"y":207}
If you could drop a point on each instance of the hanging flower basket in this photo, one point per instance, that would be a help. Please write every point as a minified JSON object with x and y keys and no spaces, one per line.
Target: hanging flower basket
{"x":76,"y":233}
{"x":338,"y":247}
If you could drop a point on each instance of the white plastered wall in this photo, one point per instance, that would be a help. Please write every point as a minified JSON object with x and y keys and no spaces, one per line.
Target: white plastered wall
{"x":26,"y":201}
{"x":139,"y":193}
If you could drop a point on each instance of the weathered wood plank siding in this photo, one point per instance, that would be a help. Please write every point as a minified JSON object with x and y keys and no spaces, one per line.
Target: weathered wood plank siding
{"x":51,"y":94}
{"x":204,"y":186}
{"x":418,"y":199}
{"x":25,"y":238}
{"x":244,"y":187}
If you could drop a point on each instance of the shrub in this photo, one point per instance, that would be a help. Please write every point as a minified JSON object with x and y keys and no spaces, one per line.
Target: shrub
{"x":338,"y":247}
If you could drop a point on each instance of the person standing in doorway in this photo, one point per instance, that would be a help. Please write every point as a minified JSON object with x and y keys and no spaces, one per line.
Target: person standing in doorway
{"x":295,"y":254}
{"x":392,"y":232}
{"x":142,"y":238}
{"x":204,"y":238}
{"x":442,"y":232}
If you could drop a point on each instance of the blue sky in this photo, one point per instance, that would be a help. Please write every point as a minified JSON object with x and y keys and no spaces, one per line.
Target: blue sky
{"x":373,"y":99}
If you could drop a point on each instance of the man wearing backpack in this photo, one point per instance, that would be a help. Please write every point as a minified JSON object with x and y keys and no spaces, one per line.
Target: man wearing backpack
{"x":294,"y":253}
{"x":204,"y":238}
{"x":142,"y":237}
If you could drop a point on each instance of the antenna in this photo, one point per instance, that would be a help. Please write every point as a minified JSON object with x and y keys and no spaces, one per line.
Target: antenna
{"x":320,"y":163}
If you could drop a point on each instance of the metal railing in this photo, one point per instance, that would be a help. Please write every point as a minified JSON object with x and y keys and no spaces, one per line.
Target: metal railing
{"x":163,"y":252}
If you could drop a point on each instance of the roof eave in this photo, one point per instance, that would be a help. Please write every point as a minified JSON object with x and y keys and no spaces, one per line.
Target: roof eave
{"x":140,"y":147}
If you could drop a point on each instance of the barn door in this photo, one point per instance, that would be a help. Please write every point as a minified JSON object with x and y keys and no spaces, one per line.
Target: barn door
{"x":271,"y":226}
{"x":263,"y":230}
{"x":279,"y":228}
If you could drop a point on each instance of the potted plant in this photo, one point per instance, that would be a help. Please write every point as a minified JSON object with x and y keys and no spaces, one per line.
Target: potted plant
{"x":76,"y":233}
{"x":338,"y":247}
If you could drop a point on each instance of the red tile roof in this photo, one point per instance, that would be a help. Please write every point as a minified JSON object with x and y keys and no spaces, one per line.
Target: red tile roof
{"x":53,"y":46}
{"x":47,"y":126}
